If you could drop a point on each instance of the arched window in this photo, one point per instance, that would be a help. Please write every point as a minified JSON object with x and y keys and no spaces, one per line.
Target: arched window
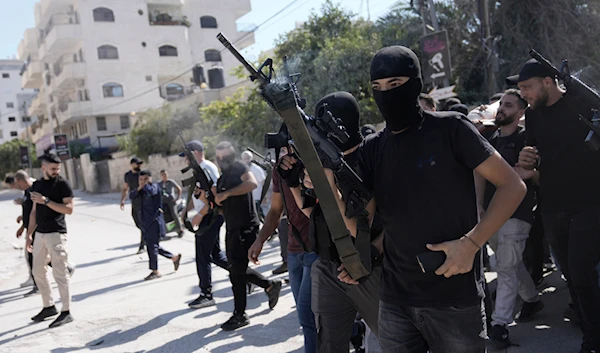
{"x":208,"y":22}
{"x":174,"y":89}
{"x":108,"y":52}
{"x":167,"y":50}
{"x":102,"y":14}
{"x":112,"y":89}
{"x":212,"y":55}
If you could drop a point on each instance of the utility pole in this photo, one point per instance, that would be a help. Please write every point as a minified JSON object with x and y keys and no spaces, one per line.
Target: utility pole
{"x":422,"y":12}
{"x":489,"y":46}
{"x":25,"y":116}
{"x":436,"y":27}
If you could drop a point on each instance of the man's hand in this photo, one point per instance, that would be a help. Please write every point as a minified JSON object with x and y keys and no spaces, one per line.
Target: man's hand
{"x":20,"y":231}
{"x":344,"y":276}
{"x":460,"y":255}
{"x":38,"y":198}
{"x":19,"y":219}
{"x":220,"y":197}
{"x":255,"y":251}
{"x":290,"y":170}
{"x":525,"y":174}
{"x":29,"y":244}
{"x":528,"y":157}
{"x":196,"y":220}
{"x":122,"y":205}
{"x":18,"y":201}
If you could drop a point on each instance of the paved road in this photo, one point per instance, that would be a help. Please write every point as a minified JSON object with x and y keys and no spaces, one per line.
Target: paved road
{"x":116,"y":311}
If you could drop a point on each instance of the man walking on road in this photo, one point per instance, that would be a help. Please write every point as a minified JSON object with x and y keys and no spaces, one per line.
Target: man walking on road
{"x":153,"y":227}
{"x":53,"y":198}
{"x":131,"y":183}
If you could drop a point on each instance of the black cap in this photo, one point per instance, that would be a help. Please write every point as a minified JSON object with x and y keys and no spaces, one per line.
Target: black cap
{"x":532,"y":68}
{"x":146,"y":172}
{"x":136,"y":161}
{"x":193,"y":145}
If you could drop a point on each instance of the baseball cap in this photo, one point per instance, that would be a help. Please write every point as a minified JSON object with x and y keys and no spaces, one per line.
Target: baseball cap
{"x":193,"y":145}
{"x":136,"y":161}
{"x":532,"y":68}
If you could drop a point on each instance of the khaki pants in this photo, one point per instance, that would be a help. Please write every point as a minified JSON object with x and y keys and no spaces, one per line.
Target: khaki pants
{"x":55,"y":246}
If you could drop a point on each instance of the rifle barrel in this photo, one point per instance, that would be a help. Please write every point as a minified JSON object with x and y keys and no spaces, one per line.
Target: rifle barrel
{"x":253,"y":72}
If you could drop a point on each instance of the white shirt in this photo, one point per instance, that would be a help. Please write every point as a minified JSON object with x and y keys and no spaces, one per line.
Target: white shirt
{"x":211,"y":170}
{"x":260,"y":176}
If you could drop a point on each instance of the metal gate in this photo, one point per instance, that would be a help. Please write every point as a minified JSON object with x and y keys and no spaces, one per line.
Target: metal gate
{"x":103,"y":176}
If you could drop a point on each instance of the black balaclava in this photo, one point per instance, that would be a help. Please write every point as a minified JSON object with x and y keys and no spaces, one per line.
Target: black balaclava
{"x":343,"y":106}
{"x":399,"y":106}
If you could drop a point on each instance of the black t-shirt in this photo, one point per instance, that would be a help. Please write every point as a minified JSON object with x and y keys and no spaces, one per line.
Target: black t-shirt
{"x":48,"y":220}
{"x":509,"y":147}
{"x":132,"y":179}
{"x":569,"y":170}
{"x":423,"y":184}
{"x":239,"y":211}
{"x":318,"y":223}
{"x":27,"y":205}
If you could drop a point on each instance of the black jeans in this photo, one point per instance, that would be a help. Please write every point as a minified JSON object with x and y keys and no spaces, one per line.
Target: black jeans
{"x":404,"y":329}
{"x":208,"y":250}
{"x":535,"y":250}
{"x":237,"y":243}
{"x":574,"y":237}
{"x":136,"y":213}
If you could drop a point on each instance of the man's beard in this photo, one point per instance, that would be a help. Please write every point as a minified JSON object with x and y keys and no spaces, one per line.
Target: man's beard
{"x":503,"y":122}
{"x":50,"y":176}
{"x":542,"y":101}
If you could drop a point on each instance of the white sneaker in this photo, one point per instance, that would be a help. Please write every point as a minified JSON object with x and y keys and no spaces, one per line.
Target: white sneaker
{"x":27,"y":283}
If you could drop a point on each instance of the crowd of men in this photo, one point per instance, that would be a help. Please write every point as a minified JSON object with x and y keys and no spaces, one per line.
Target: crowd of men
{"x":443,"y":188}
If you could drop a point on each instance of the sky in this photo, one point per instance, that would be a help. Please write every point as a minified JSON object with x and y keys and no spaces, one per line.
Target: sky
{"x":17,"y":15}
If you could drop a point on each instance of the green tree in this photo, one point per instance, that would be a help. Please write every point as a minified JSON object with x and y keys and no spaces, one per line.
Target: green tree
{"x":10,"y":156}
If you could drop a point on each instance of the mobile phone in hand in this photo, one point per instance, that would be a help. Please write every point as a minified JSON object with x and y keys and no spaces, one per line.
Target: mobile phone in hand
{"x":430,"y":261}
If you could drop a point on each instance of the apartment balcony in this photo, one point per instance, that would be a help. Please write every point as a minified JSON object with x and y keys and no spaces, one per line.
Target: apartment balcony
{"x":245,"y":33}
{"x":62,"y":35}
{"x":69,"y":112}
{"x":32,"y":75}
{"x":173,"y":91}
{"x":29,"y":44}
{"x":38,"y":105}
{"x":159,"y":18}
{"x":68,"y":75}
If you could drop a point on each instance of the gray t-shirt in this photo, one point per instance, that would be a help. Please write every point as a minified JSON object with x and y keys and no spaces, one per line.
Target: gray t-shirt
{"x":168,"y":188}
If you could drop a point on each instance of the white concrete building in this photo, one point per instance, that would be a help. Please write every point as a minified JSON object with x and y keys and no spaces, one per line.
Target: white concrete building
{"x":14,"y":101}
{"x":97,"y":61}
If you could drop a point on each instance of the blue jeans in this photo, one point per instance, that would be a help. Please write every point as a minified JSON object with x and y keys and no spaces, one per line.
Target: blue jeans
{"x":404,"y":329}
{"x":299,"y":267}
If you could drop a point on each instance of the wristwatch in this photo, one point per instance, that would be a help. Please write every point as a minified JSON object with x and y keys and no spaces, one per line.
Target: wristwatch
{"x":46,"y":200}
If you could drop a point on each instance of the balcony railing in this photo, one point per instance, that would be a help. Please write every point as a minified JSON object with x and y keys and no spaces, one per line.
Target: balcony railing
{"x":58,"y":19}
{"x":175,"y":94}
{"x":165,"y":19}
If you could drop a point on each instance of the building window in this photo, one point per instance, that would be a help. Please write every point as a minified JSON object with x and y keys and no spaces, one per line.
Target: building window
{"x":108,"y":52}
{"x":208,"y":22}
{"x":124,"y":122}
{"x":174,"y":89}
{"x":212,"y":55}
{"x":82,"y":127}
{"x":101,"y":123}
{"x":112,"y":90}
{"x":102,"y":14}
{"x":149,"y":78}
{"x":11,"y":118}
{"x":5,"y":75}
{"x":10,"y":105}
{"x":26,"y":119}
{"x":167,"y":50}
{"x":13,"y":134}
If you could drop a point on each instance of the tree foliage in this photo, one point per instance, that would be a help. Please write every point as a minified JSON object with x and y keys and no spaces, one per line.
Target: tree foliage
{"x":10,"y":156}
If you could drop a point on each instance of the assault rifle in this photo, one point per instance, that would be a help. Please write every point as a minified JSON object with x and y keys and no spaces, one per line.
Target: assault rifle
{"x":201,"y":180}
{"x":582,"y":92}
{"x":311,"y":138}
{"x":266,"y":164}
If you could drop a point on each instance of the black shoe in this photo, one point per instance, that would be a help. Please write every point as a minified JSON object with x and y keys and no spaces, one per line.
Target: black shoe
{"x":281,"y":269}
{"x":528,"y":311}
{"x":251,"y":287}
{"x":45,"y":313}
{"x":588,"y":350}
{"x":499,"y":337}
{"x":571,"y":315}
{"x":358,"y":341}
{"x":140,"y":250}
{"x":180,"y":234}
{"x":176,"y":262}
{"x":273,"y":294}
{"x":64,"y":318}
{"x":33,"y":291}
{"x":203,"y":301}
{"x":235,"y":322}
{"x":152,"y":275}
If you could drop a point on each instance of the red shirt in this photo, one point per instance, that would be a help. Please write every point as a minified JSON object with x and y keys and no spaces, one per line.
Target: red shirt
{"x":295,"y":216}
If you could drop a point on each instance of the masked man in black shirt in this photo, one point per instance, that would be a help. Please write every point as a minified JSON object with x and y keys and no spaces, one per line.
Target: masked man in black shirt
{"x":130,"y":184}
{"x":509,"y":242}
{"x":53,"y":198}
{"x":568,"y":173}
{"x":234,"y":194}
{"x":334,"y":303}
{"x":420,"y":169}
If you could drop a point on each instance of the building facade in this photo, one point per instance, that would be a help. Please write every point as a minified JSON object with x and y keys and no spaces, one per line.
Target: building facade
{"x":96,"y":62}
{"x":14,"y":101}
